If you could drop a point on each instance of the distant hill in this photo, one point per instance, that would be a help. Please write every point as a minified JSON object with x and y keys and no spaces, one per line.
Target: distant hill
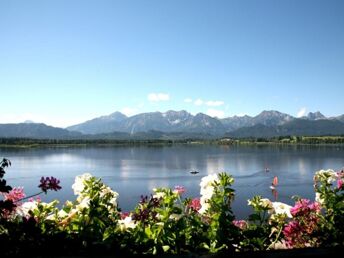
{"x":35,"y":130}
{"x":182,"y":125}
{"x":101,"y":124}
{"x":297,"y":127}
{"x":177,"y":121}
{"x":170,"y":121}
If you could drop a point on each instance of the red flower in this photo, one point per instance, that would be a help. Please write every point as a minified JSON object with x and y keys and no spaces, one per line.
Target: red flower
{"x":195,"y":204}
{"x":49,"y":183}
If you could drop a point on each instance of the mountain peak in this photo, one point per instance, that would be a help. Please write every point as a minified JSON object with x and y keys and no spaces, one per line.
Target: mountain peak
{"x":315,"y":116}
{"x":28,"y":122}
{"x":271,"y":113}
{"x":117,"y":116}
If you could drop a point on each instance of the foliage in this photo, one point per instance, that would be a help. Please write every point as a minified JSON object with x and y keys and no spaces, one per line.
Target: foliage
{"x":167,"y":223}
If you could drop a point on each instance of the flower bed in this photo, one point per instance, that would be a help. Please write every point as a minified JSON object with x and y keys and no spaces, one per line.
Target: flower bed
{"x":166,"y":223}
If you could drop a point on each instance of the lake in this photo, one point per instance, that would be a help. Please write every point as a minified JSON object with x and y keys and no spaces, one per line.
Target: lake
{"x":133,"y":171}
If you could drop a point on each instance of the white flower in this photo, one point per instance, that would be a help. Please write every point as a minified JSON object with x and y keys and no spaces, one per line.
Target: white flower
{"x":175,"y":216}
{"x":51,"y":217}
{"x":204,"y":207}
{"x":62,"y":214}
{"x":79,"y":181}
{"x":319,"y":199}
{"x":329,"y":174}
{"x":108,"y":191}
{"x":159,"y":195}
{"x":208,"y":180}
{"x":85,"y":203}
{"x":282,"y":208}
{"x":113,"y":201}
{"x":266,"y":203}
{"x":207,"y":191}
{"x":126,"y":223}
{"x":24,"y":209}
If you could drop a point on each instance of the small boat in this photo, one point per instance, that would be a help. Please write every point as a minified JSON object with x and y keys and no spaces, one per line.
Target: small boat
{"x":274,"y":183}
{"x":267,"y":169}
{"x":194,"y":172}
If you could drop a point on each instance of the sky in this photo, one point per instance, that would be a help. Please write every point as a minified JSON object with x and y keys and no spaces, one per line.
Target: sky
{"x":63,"y":62}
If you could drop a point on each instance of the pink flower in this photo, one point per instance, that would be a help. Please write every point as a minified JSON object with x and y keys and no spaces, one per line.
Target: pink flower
{"x":16,"y":194}
{"x":339,"y":183}
{"x":304,"y":207}
{"x":315,"y":206}
{"x":195,"y":204}
{"x":340,"y":174}
{"x":124,"y":215}
{"x":179,"y":189}
{"x":242,"y":224}
{"x":38,"y":199}
{"x":293,"y":234}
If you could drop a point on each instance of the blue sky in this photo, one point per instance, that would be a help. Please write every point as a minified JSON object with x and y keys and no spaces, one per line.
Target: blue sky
{"x":63,"y":62}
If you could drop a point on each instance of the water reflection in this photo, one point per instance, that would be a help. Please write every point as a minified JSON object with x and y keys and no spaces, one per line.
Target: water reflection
{"x":133,"y":171}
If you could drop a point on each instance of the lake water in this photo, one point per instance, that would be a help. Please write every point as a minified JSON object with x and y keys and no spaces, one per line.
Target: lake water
{"x":133,"y":171}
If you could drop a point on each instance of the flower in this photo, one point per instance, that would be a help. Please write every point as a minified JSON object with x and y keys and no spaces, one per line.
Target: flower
{"x":107,"y":191}
{"x":159,"y":195}
{"x":329,"y":175}
{"x":15,"y":195}
{"x":339,"y":183}
{"x":265,"y":203}
{"x":304,"y":207}
{"x":204,"y":207}
{"x":24,"y":209}
{"x":195,"y":204}
{"x":207,"y":191}
{"x":84,"y":203}
{"x":124,"y":215}
{"x":79,"y":183}
{"x":175,"y":216}
{"x":242,"y":224}
{"x":62,"y":214}
{"x":49,"y":183}
{"x":282,"y":208}
{"x":179,"y":189}
{"x":207,"y":181}
{"x":292,"y":233}
{"x":318,"y":198}
{"x":126,"y":223}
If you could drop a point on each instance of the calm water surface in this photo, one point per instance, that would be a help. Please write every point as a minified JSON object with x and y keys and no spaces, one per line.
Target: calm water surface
{"x":132,"y":171}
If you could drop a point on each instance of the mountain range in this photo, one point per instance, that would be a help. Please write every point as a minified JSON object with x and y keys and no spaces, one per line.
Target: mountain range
{"x":181,"y":124}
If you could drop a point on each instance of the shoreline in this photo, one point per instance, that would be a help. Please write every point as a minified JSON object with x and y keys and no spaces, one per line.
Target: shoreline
{"x":67,"y":143}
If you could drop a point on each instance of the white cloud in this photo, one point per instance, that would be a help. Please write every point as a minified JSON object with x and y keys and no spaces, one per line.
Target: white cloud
{"x":188,"y":100}
{"x":216,"y":113}
{"x":158,"y":97}
{"x":198,"y":102}
{"x":301,"y":112}
{"x":214,"y":103}
{"x":129,"y":111}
